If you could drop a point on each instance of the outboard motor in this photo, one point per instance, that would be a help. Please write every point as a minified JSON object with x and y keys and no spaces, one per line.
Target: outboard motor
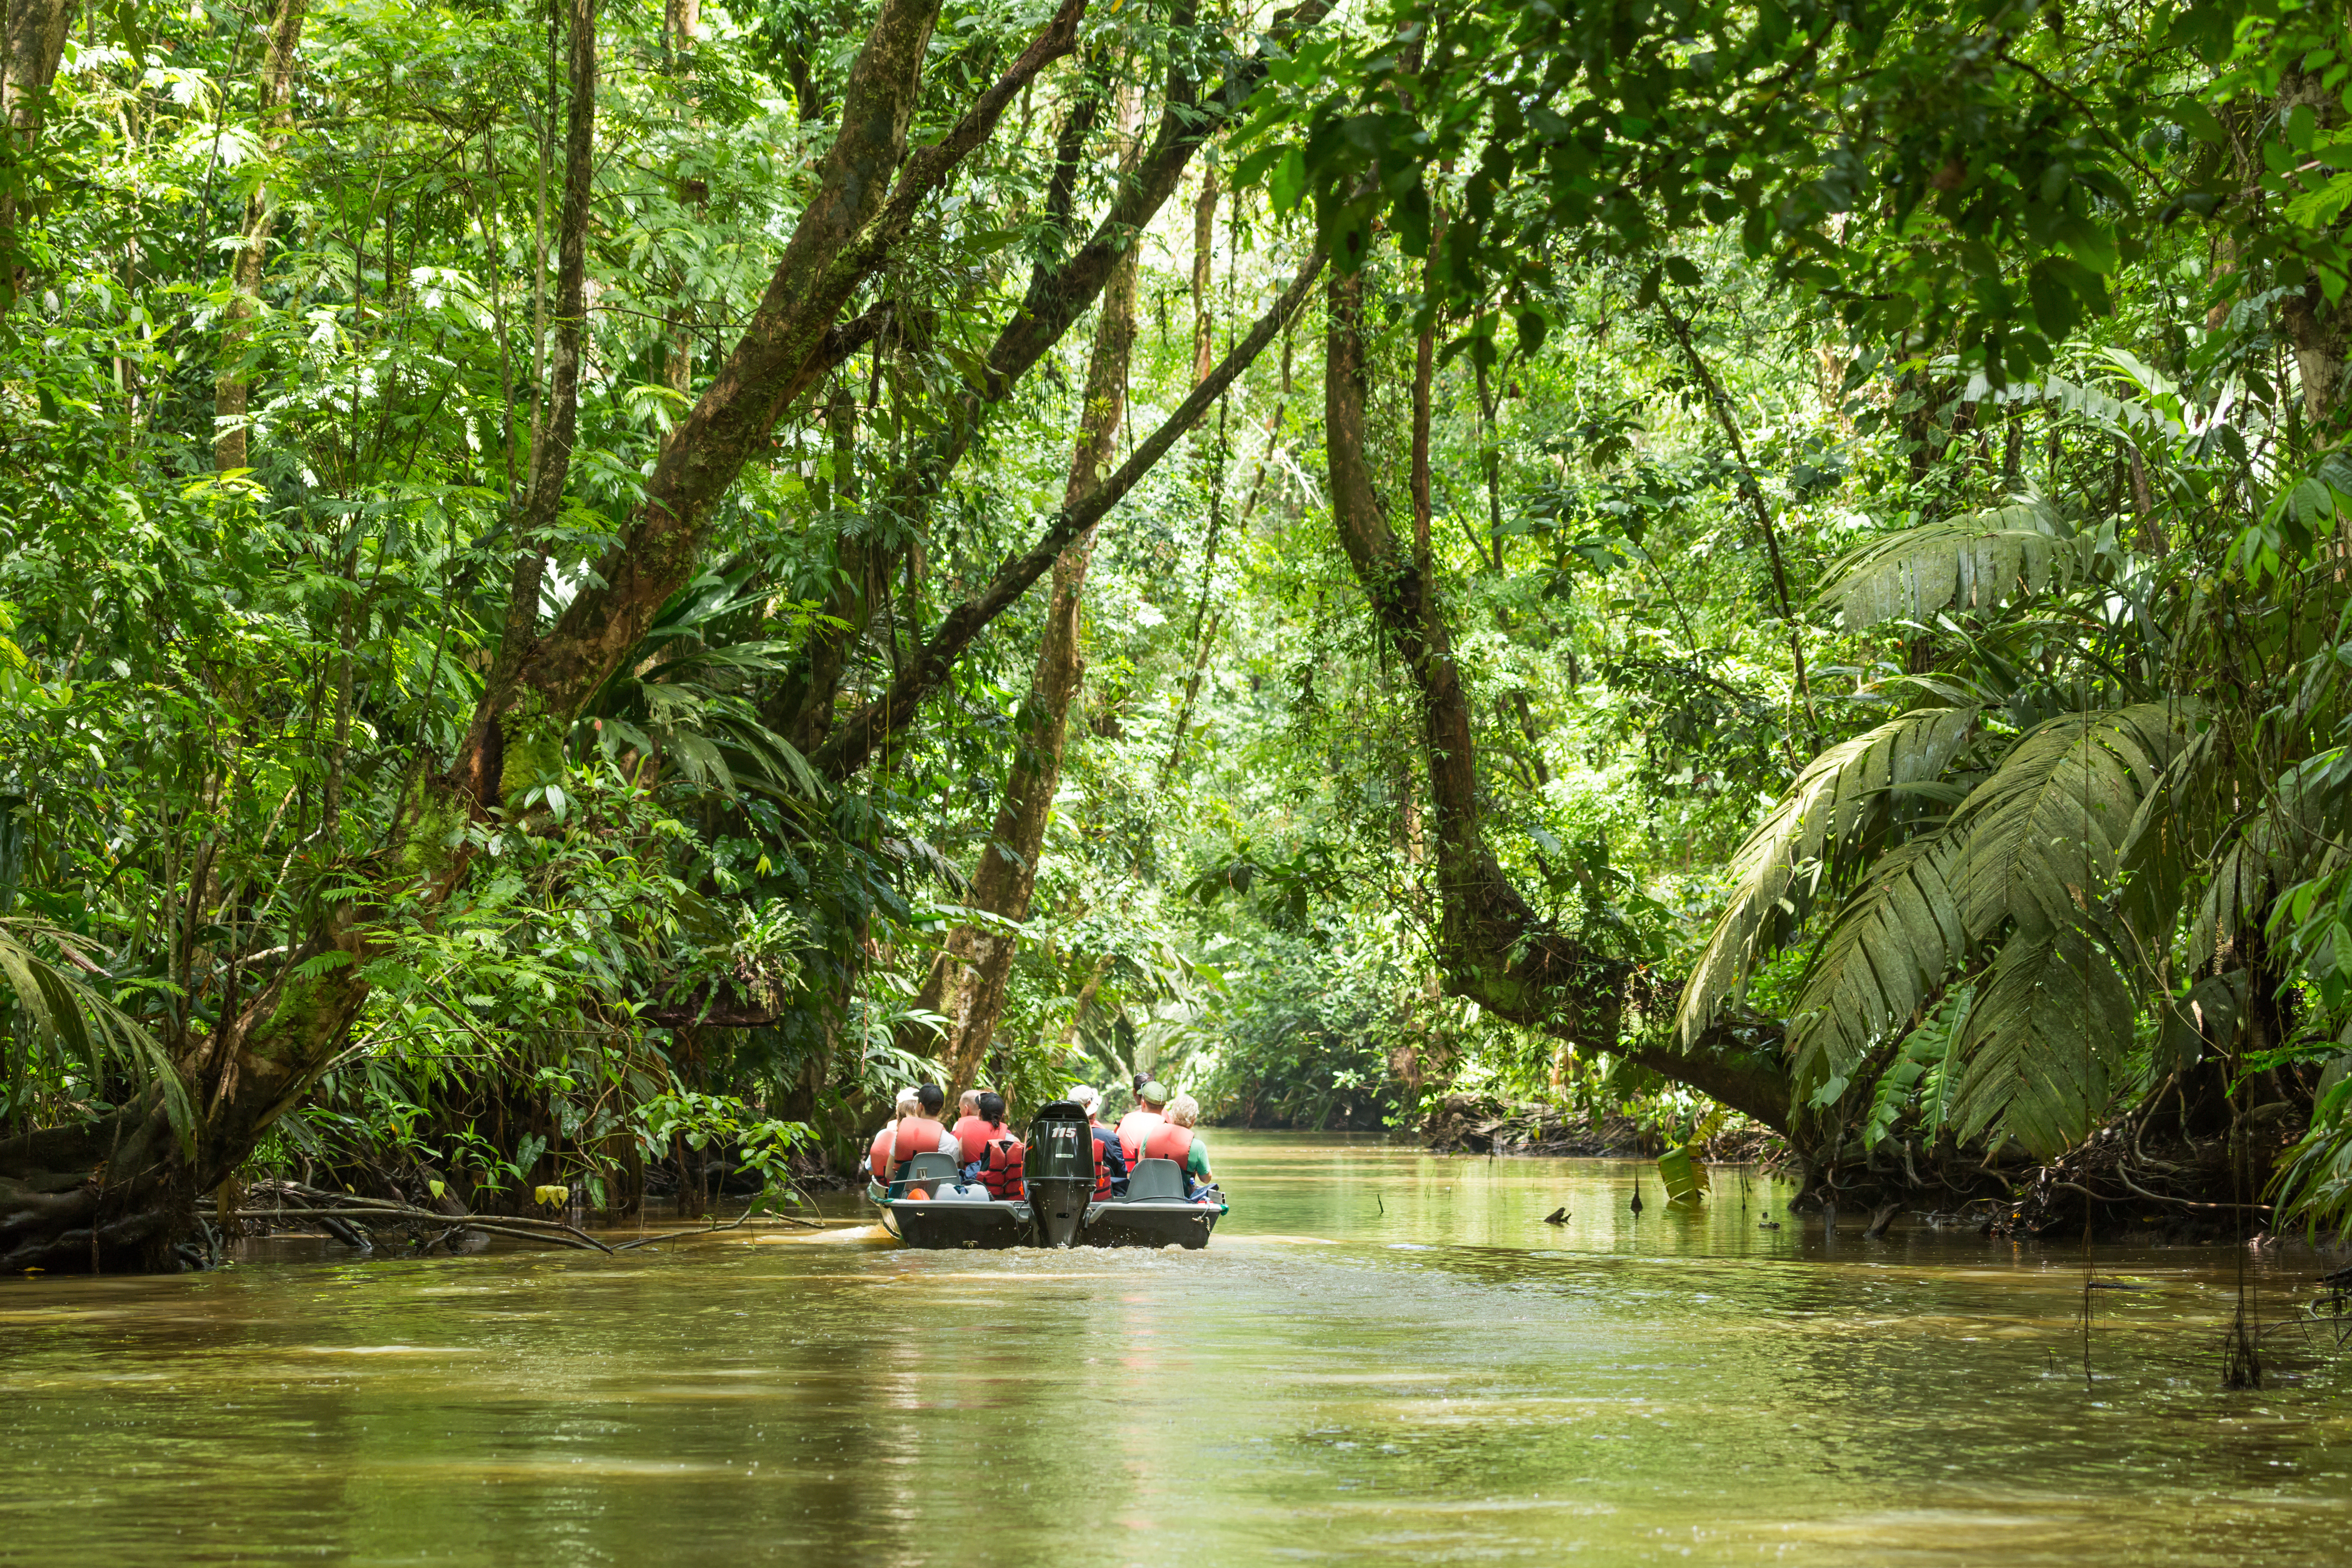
{"x":1061,"y":1171}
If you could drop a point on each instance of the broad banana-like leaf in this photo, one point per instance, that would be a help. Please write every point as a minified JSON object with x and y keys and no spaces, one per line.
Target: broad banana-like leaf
{"x":1775,"y":871}
{"x":1886,"y":954}
{"x":2043,"y":836}
{"x":1961,"y":566}
{"x":2051,"y":1023}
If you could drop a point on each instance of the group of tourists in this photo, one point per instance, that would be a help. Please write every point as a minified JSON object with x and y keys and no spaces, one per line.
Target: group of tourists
{"x":987,"y":1151}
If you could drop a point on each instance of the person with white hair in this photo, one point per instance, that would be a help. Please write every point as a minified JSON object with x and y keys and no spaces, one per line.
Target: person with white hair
{"x":1173,"y":1139}
{"x":1111,"y":1163}
{"x":877,"y":1158}
{"x":970,"y":1128}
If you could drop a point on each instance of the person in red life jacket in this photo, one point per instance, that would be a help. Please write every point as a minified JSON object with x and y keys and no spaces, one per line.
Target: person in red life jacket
{"x":877,"y":1158}
{"x":970,"y":1128}
{"x":1002,"y":1156}
{"x":1174,"y":1138}
{"x":922,"y":1132}
{"x":1137,"y":1124}
{"x":1110,"y":1161}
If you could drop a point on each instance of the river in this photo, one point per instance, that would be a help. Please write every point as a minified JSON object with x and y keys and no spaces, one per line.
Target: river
{"x":1383,"y":1357}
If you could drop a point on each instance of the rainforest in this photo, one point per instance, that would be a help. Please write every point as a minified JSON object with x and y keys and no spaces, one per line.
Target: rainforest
{"x":590,"y":590}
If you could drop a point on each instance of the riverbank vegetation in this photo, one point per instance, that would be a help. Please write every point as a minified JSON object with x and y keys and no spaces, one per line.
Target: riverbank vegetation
{"x":590,"y":588}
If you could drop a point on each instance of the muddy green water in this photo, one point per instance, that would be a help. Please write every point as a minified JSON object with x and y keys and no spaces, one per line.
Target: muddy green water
{"x":1383,"y":1358}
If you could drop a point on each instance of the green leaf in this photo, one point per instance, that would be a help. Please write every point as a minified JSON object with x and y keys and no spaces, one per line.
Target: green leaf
{"x":1775,"y":872}
{"x":1968,"y":565}
{"x":2052,"y":1025}
{"x":1886,"y":954}
{"x":2044,"y":837}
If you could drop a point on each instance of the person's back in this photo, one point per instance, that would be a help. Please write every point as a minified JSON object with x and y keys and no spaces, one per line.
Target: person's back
{"x":1137,"y":1124}
{"x":877,"y":1157}
{"x":1175,"y":1140}
{"x":922,"y":1134}
{"x":970,"y":1128}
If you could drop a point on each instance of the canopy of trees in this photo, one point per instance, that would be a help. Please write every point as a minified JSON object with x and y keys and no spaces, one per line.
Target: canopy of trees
{"x":589,"y":589}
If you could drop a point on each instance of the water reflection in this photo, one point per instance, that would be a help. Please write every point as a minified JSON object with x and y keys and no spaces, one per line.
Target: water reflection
{"x":1382,"y":1358}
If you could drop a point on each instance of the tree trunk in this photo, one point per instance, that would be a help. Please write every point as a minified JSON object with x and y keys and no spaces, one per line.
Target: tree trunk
{"x":1493,"y":947}
{"x":232,"y":389}
{"x":857,"y":216}
{"x":968,"y":982}
{"x":34,"y":42}
{"x":118,"y":1192}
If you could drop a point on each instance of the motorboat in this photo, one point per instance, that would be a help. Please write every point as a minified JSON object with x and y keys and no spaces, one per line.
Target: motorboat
{"x":931,"y":1205}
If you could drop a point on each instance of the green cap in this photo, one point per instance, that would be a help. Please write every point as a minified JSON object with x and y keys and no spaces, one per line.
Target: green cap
{"x":1153,"y":1093}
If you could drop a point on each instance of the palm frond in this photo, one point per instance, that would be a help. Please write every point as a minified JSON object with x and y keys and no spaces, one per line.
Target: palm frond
{"x":1888,"y":953}
{"x":70,"y":1017}
{"x":2051,"y":1024}
{"x":2044,"y":834}
{"x":1958,"y":565}
{"x":1777,"y":871}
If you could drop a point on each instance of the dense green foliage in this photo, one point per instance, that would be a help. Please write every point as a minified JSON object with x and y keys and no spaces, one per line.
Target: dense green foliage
{"x":1881,"y":486}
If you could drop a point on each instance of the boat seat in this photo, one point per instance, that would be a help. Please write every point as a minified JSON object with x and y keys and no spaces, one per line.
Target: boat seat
{"x":1156,"y":1179}
{"x":931,"y":1167}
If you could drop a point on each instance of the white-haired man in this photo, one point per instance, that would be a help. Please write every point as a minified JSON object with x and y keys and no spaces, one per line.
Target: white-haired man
{"x":1174,"y":1138}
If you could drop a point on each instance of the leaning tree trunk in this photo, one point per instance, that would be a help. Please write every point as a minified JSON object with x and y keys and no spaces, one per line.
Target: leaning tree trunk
{"x":117,"y":1193}
{"x":968,"y":982}
{"x":1493,"y":947}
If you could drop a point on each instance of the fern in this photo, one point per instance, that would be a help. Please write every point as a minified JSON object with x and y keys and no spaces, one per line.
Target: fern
{"x":1824,"y":813}
{"x":1963,"y":565}
{"x":2051,"y":1023}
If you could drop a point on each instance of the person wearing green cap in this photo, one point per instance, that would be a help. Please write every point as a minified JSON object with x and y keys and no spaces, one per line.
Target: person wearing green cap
{"x":1137,"y":1124}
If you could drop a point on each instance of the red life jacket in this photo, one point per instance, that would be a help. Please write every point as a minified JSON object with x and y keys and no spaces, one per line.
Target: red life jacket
{"x":1133,"y":1129}
{"x":974,"y":1134}
{"x":1169,"y":1141}
{"x":925,"y":1140}
{"x":1103,"y":1137}
{"x":1002,"y":1171}
{"x":877,"y":1159}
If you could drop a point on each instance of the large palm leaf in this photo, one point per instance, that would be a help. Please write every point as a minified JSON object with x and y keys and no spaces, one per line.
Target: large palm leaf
{"x":2051,"y":1023}
{"x":1887,"y":955}
{"x":1959,"y":565}
{"x":2044,"y":835}
{"x":1775,"y":874}
{"x":61,"y":1014}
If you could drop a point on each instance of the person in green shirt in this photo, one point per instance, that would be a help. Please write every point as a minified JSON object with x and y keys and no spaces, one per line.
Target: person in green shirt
{"x":1185,"y":1111}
